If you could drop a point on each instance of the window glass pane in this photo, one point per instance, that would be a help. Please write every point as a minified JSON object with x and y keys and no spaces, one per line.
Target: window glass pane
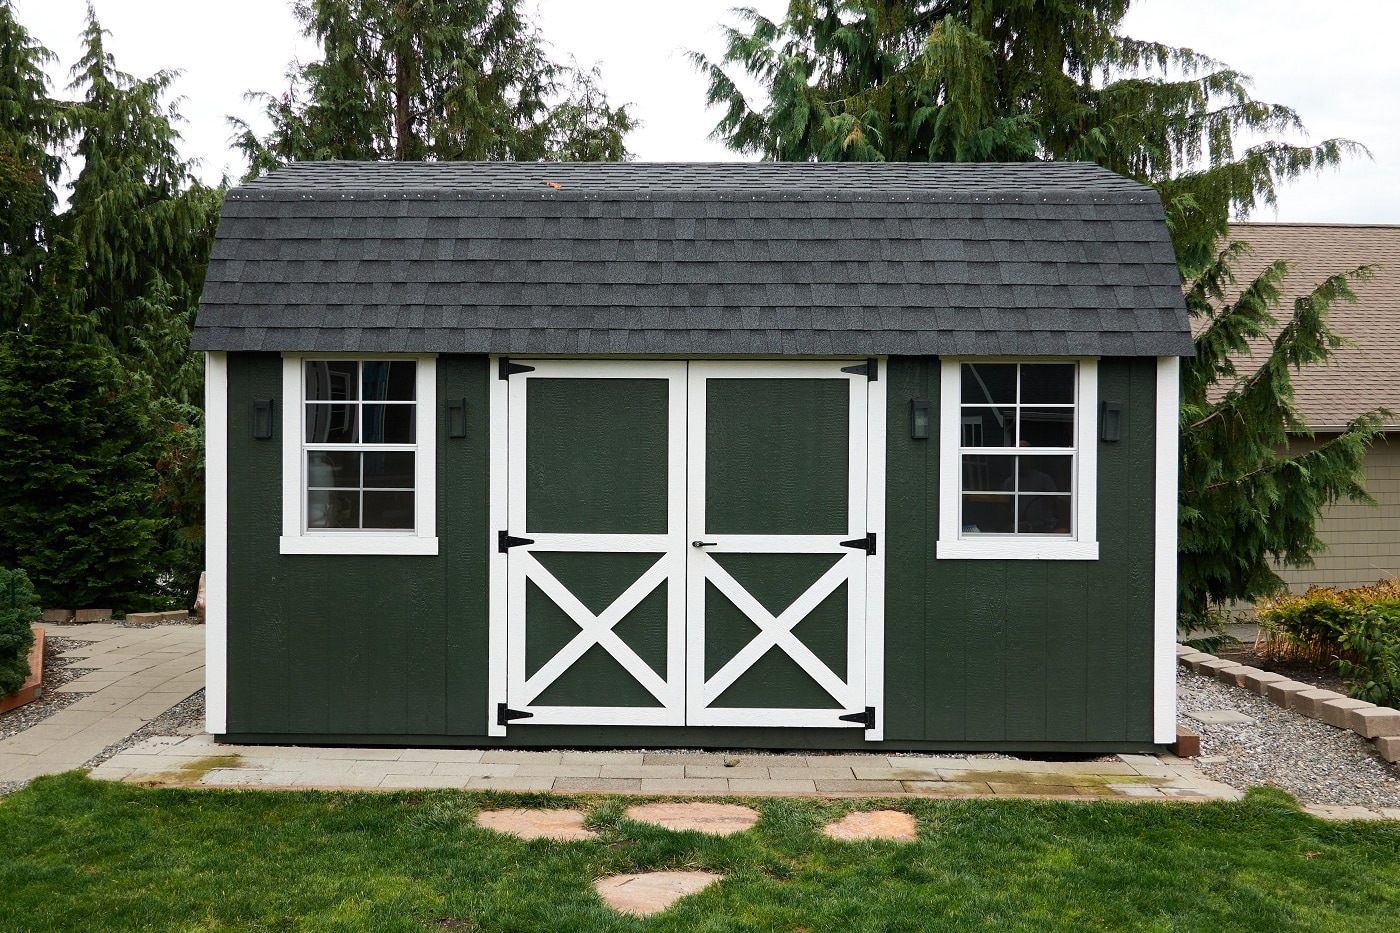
{"x":332,"y":469}
{"x":388,"y":509}
{"x":331,"y":424}
{"x":386,"y":381}
{"x":987,"y":514}
{"x":389,"y":424}
{"x":992,"y":474}
{"x":331,"y":380}
{"x":332,"y":508}
{"x":1044,"y":474}
{"x":984,"y":383}
{"x":1042,"y":515}
{"x":389,"y":469}
{"x":988,"y":427}
{"x":1047,"y":383}
{"x":1047,"y":427}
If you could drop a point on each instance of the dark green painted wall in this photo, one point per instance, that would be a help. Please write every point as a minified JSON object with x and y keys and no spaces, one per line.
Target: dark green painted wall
{"x":1020,"y":651}
{"x":324,"y":644}
{"x":980,"y":654}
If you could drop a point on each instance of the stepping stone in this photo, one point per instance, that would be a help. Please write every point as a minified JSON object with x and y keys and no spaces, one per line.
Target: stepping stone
{"x":873,"y":824}
{"x":717,"y":819}
{"x":1217,"y":717}
{"x":652,"y":892}
{"x":566,"y":825}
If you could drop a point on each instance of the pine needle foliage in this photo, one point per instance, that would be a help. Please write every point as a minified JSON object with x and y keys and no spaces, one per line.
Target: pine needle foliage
{"x":19,"y":609}
{"x":443,"y":80}
{"x":1010,"y":81}
{"x":1248,"y":492}
{"x":109,"y":283}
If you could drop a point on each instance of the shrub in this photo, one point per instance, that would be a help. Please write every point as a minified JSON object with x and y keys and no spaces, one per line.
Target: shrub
{"x":18,"y":609}
{"x":1357,"y":631}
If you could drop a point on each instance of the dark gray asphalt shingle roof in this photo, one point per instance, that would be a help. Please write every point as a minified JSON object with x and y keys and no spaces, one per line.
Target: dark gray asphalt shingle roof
{"x":770,"y":258}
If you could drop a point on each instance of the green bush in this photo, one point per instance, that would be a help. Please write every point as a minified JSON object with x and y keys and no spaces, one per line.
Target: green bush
{"x":19,"y":608}
{"x":1357,"y":631}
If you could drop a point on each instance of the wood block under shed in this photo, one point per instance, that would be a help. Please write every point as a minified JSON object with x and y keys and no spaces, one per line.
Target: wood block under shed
{"x":1187,"y":744}
{"x":32,"y":688}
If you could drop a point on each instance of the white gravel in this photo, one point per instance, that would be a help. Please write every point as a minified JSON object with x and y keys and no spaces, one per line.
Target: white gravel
{"x":1315,"y":762}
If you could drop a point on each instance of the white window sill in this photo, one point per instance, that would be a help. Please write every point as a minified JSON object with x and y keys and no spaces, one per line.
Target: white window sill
{"x":1017,"y":549}
{"x":358,"y":544}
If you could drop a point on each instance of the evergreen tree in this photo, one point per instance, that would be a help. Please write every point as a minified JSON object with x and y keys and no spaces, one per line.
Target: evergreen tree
{"x":19,"y":609}
{"x":446,"y":80}
{"x":1009,"y":81}
{"x":1020,"y":80}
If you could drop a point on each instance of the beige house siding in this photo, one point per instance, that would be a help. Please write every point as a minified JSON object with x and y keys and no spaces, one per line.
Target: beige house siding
{"x":1363,"y":543}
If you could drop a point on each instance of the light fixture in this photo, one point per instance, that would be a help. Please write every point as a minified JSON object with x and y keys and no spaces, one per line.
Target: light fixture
{"x":918,"y":419}
{"x":262,"y":418}
{"x":456,"y":417}
{"x":1111,"y":422}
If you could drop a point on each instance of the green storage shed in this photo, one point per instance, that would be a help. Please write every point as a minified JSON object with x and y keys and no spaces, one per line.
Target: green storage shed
{"x":757,"y":455}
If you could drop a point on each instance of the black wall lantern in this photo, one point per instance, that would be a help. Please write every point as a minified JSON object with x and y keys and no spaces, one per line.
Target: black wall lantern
{"x":1111,"y":421}
{"x":918,"y":419}
{"x":262,"y":418}
{"x":456,"y":417}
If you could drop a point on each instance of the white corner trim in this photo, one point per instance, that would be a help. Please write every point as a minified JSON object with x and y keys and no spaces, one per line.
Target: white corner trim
{"x":1084,"y":545}
{"x":1164,"y":549}
{"x":295,"y":538}
{"x":877,"y":419}
{"x":216,"y":543}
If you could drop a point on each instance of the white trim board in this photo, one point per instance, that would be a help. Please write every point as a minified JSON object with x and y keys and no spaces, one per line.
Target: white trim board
{"x":497,"y":586}
{"x":1164,"y":550}
{"x":216,"y":543}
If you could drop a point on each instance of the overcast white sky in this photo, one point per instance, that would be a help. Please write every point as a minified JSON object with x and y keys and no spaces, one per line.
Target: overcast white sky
{"x":1336,"y":65}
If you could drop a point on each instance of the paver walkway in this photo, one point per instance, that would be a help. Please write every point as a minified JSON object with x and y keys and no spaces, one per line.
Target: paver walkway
{"x":198,"y":760}
{"x":136,"y":674}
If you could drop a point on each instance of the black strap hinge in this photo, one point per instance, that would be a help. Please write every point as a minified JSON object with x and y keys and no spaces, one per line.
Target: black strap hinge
{"x":870,"y":369}
{"x":866,"y":718}
{"x":504,"y":541}
{"x":866,"y":544}
{"x":504,"y":714}
{"x":509,"y":369}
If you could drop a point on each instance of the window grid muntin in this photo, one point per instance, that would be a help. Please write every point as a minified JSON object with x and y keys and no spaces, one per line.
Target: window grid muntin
{"x":358,"y":447}
{"x":1017,"y":452}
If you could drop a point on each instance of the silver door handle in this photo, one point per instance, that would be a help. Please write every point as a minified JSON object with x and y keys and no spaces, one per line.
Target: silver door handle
{"x":703,"y":543}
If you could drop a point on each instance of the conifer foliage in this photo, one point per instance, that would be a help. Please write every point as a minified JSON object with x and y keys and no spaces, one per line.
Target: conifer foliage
{"x":1021,"y":80}
{"x":96,"y":377}
{"x":448,"y":80}
{"x":19,"y":609}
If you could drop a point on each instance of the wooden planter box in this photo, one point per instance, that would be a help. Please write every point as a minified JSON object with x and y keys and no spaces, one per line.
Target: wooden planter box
{"x":31,"y":690}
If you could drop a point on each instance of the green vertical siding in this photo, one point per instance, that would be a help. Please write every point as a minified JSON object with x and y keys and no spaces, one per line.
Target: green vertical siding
{"x":322,"y":644}
{"x":1018,"y":652}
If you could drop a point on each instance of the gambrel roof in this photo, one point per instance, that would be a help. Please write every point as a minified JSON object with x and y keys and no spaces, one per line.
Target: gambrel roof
{"x":1058,"y":259}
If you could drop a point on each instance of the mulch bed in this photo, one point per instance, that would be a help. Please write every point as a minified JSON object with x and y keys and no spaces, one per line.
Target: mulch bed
{"x":1321,"y":678}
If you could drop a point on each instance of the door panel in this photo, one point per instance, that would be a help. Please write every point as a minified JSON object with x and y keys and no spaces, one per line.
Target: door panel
{"x":595,"y":597}
{"x":775,"y":624}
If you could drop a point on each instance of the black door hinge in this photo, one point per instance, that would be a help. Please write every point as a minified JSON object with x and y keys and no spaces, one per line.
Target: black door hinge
{"x":870,"y":369}
{"x":509,"y":369}
{"x":866,"y":544}
{"x":866,"y":718}
{"x":504,"y":714}
{"x":504,"y":541}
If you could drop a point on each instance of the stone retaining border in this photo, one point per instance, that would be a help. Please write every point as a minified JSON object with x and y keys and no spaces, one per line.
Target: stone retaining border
{"x":1380,"y":724}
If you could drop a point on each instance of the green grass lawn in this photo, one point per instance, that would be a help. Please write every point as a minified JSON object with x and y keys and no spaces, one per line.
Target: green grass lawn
{"x":84,"y":855}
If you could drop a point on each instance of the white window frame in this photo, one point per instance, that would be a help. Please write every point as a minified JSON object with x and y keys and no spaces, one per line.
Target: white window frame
{"x":1083,"y":544}
{"x":296,"y":538}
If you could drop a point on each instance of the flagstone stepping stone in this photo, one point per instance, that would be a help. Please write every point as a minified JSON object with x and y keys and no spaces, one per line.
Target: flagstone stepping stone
{"x":652,"y":892}
{"x":873,"y":824}
{"x":717,"y":819}
{"x":537,"y":824}
{"x":1218,"y":717}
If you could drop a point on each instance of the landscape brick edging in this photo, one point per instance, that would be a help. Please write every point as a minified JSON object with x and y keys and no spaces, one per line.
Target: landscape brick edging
{"x":1380,"y":724}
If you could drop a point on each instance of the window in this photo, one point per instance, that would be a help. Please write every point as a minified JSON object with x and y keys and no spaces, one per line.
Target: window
{"x":359,"y":457}
{"x":1018,"y":455}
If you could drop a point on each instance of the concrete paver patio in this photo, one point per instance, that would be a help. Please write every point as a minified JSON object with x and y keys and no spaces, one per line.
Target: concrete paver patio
{"x":134,"y":675}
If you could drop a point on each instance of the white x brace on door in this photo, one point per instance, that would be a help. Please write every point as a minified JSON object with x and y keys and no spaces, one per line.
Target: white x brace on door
{"x":687,"y":544}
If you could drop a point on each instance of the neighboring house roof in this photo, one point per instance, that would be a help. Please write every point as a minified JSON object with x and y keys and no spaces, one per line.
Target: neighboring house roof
{"x":1063,"y":259}
{"x":1366,"y":375}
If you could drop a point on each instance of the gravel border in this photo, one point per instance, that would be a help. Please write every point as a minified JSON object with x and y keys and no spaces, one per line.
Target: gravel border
{"x":58,"y":671}
{"x":184,"y":718}
{"x":1315,"y":762}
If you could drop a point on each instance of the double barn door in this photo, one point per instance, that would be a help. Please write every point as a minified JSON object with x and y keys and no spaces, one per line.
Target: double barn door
{"x":689,"y":544}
